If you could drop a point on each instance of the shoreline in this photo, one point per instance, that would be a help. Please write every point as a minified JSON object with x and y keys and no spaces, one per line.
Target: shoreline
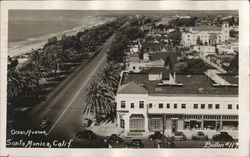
{"x":19,"y":48}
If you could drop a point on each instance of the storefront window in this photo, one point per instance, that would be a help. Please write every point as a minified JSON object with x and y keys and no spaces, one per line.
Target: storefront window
{"x":137,"y":122}
{"x":186,"y":125}
{"x":229,"y":125}
{"x":209,"y":125}
{"x":155,"y":124}
{"x":195,"y":124}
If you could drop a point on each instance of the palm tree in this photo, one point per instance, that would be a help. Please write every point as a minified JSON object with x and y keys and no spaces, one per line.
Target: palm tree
{"x":100,"y":99}
{"x":56,"y":57}
{"x":35,"y":56}
{"x":19,"y":82}
{"x":110,"y":75}
{"x":15,"y":83}
{"x":35,"y":70}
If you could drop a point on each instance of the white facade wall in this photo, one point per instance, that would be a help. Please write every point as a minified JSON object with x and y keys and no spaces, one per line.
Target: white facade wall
{"x":205,"y":50}
{"x":139,"y":66}
{"x":131,"y":98}
{"x":189,"y":101}
{"x":126,"y":112}
{"x":190,"y":38}
{"x":225,"y":49}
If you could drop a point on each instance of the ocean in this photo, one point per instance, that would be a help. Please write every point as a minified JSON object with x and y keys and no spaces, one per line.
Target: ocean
{"x":29,"y":30}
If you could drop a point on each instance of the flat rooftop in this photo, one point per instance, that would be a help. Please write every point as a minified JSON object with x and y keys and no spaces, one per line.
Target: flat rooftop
{"x":197,"y":84}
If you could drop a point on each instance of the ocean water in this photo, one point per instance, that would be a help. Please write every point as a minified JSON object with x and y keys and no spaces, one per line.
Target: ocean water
{"x":31,"y":29}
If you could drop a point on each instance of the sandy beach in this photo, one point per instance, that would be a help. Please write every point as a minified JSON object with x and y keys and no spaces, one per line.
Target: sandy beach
{"x":26,"y":46}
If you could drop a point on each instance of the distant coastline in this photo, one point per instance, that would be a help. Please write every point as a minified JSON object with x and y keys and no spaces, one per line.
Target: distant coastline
{"x":34,"y":42}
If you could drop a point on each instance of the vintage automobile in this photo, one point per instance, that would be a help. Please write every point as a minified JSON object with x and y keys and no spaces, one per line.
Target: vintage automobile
{"x":199,"y":136}
{"x":179,"y":136}
{"x":86,"y":134}
{"x":155,"y":136}
{"x":135,"y":143}
{"x":222,"y":136}
{"x":86,"y":122}
{"x":164,"y":142}
{"x":114,"y":138}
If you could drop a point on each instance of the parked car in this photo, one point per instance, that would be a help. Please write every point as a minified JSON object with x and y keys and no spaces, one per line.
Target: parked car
{"x":179,"y":136}
{"x":222,"y":136}
{"x":164,"y":142}
{"x":114,"y":138}
{"x":86,"y":122}
{"x":155,"y":136}
{"x":44,"y":123}
{"x":135,"y":143}
{"x":199,"y":136}
{"x":87,"y":134}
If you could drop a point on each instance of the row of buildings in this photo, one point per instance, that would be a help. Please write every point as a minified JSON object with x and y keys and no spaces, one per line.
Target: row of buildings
{"x":152,"y":96}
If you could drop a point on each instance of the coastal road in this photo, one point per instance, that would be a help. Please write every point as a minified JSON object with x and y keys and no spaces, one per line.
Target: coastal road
{"x":65,"y":111}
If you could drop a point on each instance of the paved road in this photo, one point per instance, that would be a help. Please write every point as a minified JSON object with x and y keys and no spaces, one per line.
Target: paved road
{"x":66,"y":109}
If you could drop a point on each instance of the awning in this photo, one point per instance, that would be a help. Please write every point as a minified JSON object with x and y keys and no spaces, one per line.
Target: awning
{"x":136,"y":116}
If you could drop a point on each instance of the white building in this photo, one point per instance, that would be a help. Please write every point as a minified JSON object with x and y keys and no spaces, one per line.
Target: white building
{"x":208,"y":35}
{"x":204,"y":50}
{"x":227,"y":48}
{"x":157,"y":59}
{"x":165,"y":101}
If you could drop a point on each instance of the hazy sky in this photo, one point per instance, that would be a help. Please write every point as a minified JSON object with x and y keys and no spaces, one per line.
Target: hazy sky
{"x":55,"y":14}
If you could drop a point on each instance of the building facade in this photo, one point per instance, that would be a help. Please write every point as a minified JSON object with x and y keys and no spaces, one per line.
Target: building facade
{"x":207,"y":35}
{"x":179,"y":102}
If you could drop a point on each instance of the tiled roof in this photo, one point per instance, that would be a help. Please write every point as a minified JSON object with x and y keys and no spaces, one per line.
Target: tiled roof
{"x":198,"y":84}
{"x":132,"y":88}
{"x":156,"y":70}
{"x":133,"y":58}
{"x":230,"y":78}
{"x":163,"y":55}
{"x":206,"y":28}
{"x":152,"y":45}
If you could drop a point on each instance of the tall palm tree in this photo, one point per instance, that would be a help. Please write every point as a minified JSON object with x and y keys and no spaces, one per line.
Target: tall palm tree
{"x":56,"y":57}
{"x":100,"y":99}
{"x":15,"y":83}
{"x":35,"y":70}
{"x":110,"y":75}
{"x":19,"y":82}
